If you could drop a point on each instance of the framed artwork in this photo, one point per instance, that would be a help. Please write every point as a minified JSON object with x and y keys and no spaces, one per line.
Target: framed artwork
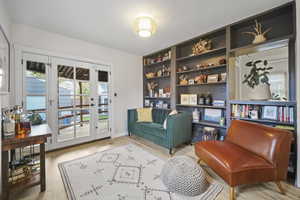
{"x":4,"y":62}
{"x":270,"y":112}
{"x":212,"y":115}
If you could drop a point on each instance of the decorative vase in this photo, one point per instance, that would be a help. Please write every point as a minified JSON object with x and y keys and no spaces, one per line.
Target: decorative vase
{"x":260,"y":92}
{"x":151,"y":93}
{"x":259,"y":39}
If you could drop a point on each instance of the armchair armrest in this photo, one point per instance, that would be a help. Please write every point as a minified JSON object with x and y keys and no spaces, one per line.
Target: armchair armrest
{"x":179,"y":128}
{"x":132,"y":118}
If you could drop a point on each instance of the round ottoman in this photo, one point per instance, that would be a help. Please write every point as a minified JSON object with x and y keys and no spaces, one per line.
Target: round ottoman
{"x":182,"y":175}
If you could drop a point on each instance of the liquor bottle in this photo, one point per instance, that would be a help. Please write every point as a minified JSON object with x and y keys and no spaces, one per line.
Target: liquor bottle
{"x":18,"y":113}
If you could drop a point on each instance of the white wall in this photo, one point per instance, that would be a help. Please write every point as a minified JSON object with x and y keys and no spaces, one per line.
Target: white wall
{"x":5,"y":24}
{"x":298,"y":88}
{"x":127,"y":68}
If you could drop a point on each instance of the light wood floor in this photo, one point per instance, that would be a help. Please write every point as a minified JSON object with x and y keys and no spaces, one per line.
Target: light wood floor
{"x":55,"y":189}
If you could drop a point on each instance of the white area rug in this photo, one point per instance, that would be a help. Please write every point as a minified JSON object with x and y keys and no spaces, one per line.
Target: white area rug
{"x":122,"y":173}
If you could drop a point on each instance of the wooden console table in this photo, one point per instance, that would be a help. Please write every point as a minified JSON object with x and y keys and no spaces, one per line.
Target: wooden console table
{"x":39,"y":136}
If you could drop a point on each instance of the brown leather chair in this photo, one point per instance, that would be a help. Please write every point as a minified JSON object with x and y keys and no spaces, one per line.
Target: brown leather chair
{"x":251,"y":153}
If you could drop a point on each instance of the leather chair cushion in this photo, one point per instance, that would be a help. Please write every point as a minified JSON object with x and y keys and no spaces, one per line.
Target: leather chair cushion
{"x":234,"y":164}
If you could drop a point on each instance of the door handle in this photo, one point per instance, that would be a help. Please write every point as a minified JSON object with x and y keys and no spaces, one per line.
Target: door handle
{"x":92,"y":104}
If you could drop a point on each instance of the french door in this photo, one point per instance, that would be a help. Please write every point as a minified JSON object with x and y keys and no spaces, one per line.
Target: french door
{"x":71,"y":96}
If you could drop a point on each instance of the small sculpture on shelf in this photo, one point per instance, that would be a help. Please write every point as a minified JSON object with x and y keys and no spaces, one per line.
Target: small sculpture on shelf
{"x":202,"y":46}
{"x":200,"y":79}
{"x":151,"y":87}
{"x":150,"y":75}
{"x":201,"y":100}
{"x":183,"y":80}
{"x":259,"y":35}
{"x":222,"y":61}
{"x":159,"y":73}
{"x":208,"y":99}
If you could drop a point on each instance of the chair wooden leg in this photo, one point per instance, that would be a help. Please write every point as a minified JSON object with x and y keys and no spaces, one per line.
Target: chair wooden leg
{"x":279,"y":185}
{"x":232,"y":194}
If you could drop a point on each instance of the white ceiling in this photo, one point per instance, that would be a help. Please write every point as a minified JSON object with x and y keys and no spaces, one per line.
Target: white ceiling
{"x":109,"y":22}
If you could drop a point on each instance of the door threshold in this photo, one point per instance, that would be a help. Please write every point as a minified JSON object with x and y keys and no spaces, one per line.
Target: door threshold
{"x":81,"y":143}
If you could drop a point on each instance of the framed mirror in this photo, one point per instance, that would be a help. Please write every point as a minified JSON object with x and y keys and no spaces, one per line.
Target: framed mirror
{"x":262,"y":75}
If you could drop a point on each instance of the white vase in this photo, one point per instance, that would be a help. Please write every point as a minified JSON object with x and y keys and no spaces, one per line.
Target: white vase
{"x":260,"y":92}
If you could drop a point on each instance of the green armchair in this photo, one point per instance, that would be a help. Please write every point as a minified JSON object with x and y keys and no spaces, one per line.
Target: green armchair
{"x":178,"y":131}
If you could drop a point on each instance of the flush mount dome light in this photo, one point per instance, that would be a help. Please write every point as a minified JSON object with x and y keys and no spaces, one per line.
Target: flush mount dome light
{"x":145,"y":26}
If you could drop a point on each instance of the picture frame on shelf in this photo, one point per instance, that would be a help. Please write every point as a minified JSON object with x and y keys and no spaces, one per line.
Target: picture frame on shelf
{"x":253,"y":114}
{"x":213,"y":78}
{"x":212,"y":115}
{"x":193,"y":99}
{"x":270,"y":113}
{"x":184,"y":99}
{"x":223,"y":77}
{"x":191,"y":81}
{"x":4,"y":63}
{"x":147,"y":102}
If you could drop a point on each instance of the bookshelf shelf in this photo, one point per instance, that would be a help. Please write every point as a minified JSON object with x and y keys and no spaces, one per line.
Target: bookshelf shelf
{"x":263,"y":121}
{"x":211,"y":52}
{"x":158,"y":77}
{"x":158,"y":98}
{"x":264,"y":103}
{"x":158,"y":63}
{"x":202,"y":69}
{"x":201,"y":106}
{"x":204,"y":123}
{"x":267,"y":45}
{"x":193,"y":85}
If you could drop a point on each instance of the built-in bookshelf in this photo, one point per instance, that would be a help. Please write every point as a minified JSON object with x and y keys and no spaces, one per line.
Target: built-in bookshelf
{"x":156,"y":71}
{"x":192,"y":78}
{"x":189,"y":71}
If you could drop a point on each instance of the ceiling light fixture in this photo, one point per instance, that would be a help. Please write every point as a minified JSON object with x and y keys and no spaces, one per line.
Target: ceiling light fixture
{"x":145,"y":26}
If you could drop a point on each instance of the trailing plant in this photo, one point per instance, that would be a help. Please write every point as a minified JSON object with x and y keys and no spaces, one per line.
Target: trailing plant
{"x":257,"y":75}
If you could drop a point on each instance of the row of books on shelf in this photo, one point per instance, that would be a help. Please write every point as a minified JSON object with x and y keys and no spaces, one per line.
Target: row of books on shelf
{"x":274,"y":113}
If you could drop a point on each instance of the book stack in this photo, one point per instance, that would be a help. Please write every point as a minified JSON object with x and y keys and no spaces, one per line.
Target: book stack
{"x":245,"y":111}
{"x":281,"y":113}
{"x":286,"y":114}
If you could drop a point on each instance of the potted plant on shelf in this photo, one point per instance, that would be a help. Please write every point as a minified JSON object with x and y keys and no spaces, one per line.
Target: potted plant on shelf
{"x":259,"y":35}
{"x":258,"y":80}
{"x":151,"y":87}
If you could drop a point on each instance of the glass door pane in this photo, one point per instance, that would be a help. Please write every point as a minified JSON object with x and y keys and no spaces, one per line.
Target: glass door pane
{"x":82,"y":102}
{"x":103,"y":103}
{"x":66,"y":113}
{"x":36,"y":91}
{"x":73,"y":102}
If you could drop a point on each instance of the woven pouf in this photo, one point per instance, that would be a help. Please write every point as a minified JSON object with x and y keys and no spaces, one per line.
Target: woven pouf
{"x":182,"y":175}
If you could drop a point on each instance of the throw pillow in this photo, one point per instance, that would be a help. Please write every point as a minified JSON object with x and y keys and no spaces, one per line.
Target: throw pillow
{"x":173,"y":112}
{"x":144,"y":114}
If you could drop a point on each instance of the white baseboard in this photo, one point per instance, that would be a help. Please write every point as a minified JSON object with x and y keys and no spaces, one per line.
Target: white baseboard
{"x":119,"y":134}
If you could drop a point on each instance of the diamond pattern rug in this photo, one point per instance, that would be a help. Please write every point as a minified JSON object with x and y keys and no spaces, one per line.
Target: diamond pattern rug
{"x":122,"y":173}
